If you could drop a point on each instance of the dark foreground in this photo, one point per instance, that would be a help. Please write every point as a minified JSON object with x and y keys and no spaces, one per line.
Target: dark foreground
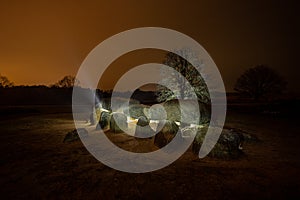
{"x":36,"y":164}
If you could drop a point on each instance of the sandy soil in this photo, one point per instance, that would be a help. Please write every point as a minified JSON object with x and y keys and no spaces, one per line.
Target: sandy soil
{"x":36,"y":164}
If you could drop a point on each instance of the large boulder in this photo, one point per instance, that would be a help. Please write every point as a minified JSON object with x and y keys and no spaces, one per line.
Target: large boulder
{"x":143,"y":121}
{"x":74,"y":135}
{"x":156,"y":112}
{"x":229,"y":144}
{"x":97,"y":113}
{"x":121,"y":126}
{"x":143,"y":129}
{"x":168,"y":130}
{"x":104,"y":121}
{"x":136,"y":110}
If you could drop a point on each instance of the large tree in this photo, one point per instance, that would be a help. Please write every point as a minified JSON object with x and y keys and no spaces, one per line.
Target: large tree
{"x":178,"y":85}
{"x":4,"y":82}
{"x":259,"y":82}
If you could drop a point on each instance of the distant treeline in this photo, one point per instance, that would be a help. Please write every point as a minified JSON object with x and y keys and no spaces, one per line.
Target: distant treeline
{"x":35,"y":95}
{"x":43,"y":95}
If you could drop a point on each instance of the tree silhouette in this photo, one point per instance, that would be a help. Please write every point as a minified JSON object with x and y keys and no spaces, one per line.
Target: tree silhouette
{"x":179,"y":84}
{"x":5,"y":83}
{"x":66,"y":82}
{"x":260,"y":81}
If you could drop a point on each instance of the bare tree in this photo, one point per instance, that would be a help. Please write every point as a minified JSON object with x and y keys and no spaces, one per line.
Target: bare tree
{"x":260,"y":81}
{"x":66,"y":82}
{"x":179,"y":84}
{"x":5,"y":83}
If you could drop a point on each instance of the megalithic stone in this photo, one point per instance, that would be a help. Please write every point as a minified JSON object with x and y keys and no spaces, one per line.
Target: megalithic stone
{"x":168,"y":130}
{"x":143,"y":129}
{"x":104,"y":121}
{"x":121,"y":126}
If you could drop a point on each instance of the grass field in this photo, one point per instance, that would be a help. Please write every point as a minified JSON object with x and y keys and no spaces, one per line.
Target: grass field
{"x":36,"y":164}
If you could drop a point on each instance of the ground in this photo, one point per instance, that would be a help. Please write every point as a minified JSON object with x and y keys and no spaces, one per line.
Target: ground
{"x":36,"y":164}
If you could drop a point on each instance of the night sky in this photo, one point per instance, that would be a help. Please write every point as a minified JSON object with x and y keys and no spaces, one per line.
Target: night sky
{"x":42,"y":41}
